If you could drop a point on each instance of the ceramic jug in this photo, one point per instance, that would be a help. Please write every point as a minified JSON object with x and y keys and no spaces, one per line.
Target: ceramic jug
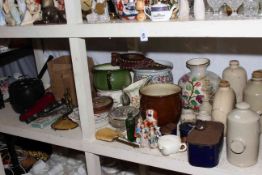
{"x":243,"y":136}
{"x":198,"y":83}
{"x":224,"y":103}
{"x":237,"y":77}
{"x":253,"y":93}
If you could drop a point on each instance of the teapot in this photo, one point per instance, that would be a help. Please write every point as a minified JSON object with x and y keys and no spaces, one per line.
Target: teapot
{"x":160,"y":11}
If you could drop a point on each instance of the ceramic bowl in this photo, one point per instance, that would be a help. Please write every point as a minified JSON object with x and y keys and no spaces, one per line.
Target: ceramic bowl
{"x":164,"y":99}
{"x":156,"y":75}
{"x":108,"y":77}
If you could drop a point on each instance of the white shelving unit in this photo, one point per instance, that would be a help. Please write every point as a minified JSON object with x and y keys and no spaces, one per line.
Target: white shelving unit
{"x":83,"y":139}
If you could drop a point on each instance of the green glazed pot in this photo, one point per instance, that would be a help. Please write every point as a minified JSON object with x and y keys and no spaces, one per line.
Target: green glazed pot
{"x":108,"y":77}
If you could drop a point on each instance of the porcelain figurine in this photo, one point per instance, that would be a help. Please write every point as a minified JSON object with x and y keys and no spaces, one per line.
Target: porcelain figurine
{"x":99,"y":12}
{"x":22,"y":7}
{"x":60,"y":4}
{"x":183,"y":10}
{"x":160,"y":11}
{"x":14,"y":12}
{"x":199,"y":9}
{"x":140,"y":5}
{"x":126,"y":9}
{"x":34,"y":9}
{"x":147,"y":131}
{"x":2,"y":15}
{"x":8,"y":17}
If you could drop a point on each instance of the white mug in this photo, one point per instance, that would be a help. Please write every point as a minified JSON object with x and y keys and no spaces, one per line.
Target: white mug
{"x":170,"y":144}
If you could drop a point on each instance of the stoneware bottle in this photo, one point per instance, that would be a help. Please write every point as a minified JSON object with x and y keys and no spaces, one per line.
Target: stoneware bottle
{"x":253,"y":93}
{"x":243,"y":136}
{"x":183,"y":10}
{"x":224,"y":103}
{"x":237,"y":77}
{"x":199,"y":9}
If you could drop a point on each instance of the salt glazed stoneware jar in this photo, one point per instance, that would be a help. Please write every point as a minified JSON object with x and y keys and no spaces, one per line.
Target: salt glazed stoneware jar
{"x":198,"y":83}
{"x":237,"y":77}
{"x":253,"y":93}
{"x":243,"y":136}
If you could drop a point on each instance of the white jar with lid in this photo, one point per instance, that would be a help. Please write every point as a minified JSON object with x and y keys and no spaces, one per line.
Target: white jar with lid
{"x":243,"y":136}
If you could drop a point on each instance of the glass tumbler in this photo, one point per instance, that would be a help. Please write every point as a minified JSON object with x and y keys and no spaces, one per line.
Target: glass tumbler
{"x":251,"y":8}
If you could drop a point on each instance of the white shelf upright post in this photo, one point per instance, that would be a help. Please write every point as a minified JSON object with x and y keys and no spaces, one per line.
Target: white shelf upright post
{"x":82,"y":83}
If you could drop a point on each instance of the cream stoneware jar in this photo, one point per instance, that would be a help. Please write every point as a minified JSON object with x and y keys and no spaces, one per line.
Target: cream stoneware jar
{"x":237,"y":77}
{"x":243,"y":136}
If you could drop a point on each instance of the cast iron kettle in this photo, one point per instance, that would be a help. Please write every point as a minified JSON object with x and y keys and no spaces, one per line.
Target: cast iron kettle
{"x":26,"y":91}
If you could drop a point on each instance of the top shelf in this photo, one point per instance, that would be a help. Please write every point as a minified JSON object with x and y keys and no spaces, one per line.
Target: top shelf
{"x":123,"y":29}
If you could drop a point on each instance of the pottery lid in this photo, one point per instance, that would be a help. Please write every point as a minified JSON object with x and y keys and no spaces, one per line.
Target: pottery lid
{"x":224,"y":83}
{"x":209,"y":134}
{"x":257,"y":74}
{"x":102,"y":104}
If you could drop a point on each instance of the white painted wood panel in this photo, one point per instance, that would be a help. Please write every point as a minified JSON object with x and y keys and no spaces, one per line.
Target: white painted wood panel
{"x":221,"y":28}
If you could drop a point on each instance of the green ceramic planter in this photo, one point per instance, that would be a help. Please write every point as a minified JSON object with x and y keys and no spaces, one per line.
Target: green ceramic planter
{"x":108,"y":77}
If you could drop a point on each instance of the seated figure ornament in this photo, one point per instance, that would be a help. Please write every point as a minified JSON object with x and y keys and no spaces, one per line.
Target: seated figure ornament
{"x":99,"y":12}
{"x":33,"y":12}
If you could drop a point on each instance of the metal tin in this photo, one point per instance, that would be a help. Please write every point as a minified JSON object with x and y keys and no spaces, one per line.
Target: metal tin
{"x":118,"y":116}
{"x":205,"y":143}
{"x":102,"y":105}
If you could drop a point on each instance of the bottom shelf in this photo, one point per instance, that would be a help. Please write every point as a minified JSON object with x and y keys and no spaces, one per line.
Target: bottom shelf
{"x":176,"y":162}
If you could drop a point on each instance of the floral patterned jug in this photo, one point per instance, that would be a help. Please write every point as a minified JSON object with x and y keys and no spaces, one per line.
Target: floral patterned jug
{"x":198,"y":83}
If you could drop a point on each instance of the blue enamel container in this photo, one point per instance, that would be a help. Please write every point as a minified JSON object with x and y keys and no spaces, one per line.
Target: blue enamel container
{"x":205,"y":144}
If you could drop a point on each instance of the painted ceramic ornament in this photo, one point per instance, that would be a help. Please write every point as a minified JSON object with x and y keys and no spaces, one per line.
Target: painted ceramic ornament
{"x":33,"y":13}
{"x":147,"y":131}
{"x":2,"y":15}
{"x":14,"y":12}
{"x":140,"y":5}
{"x":8,"y":17}
{"x":99,"y":12}
{"x":198,"y":83}
{"x":126,"y":9}
{"x":22,"y":7}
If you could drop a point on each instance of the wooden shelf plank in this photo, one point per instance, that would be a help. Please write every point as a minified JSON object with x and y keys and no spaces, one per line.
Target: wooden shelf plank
{"x":213,"y":28}
{"x":10,"y":124}
{"x":176,"y":162}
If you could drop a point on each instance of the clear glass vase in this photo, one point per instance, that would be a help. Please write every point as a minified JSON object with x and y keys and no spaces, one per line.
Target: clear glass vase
{"x":198,"y":84}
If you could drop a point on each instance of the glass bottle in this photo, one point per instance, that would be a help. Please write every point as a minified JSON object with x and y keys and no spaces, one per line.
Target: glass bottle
{"x":237,"y":77}
{"x":198,"y":83}
{"x":130,"y":127}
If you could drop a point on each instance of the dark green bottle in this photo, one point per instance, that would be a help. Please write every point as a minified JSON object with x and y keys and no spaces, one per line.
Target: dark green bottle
{"x":130,"y":127}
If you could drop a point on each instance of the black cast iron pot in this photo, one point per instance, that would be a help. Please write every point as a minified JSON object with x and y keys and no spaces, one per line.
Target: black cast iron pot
{"x":24,"y":93}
